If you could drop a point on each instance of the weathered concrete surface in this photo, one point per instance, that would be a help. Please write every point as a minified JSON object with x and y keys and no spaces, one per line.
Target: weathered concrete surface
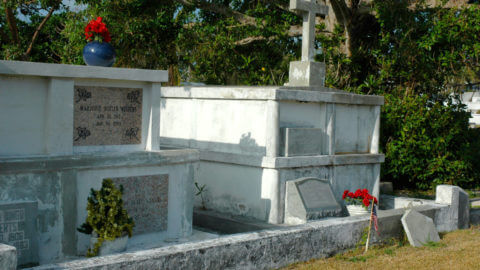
{"x":306,"y":73}
{"x":459,"y":203}
{"x":21,"y":68}
{"x":394,"y":202}
{"x":8,"y":257}
{"x":419,"y":228}
{"x":301,"y":142}
{"x":258,"y":250}
{"x":61,"y":184}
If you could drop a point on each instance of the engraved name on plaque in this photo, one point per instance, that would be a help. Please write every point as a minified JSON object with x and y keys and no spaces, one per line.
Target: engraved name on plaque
{"x":107,"y":116}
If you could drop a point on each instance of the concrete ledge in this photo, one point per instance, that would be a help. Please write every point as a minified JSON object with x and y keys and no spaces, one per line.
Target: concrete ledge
{"x":291,"y":162}
{"x":258,"y":250}
{"x":20,"y":68}
{"x":8,"y":257}
{"x":98,"y":160}
{"x":279,"y":93}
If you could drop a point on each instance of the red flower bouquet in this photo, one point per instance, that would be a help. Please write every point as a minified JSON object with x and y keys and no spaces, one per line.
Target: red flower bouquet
{"x":359,"y":197}
{"x":97,"y":30}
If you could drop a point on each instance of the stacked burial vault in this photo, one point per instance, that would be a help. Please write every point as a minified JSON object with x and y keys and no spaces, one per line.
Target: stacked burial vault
{"x":253,"y":140}
{"x":63,"y":129}
{"x":278,"y":154}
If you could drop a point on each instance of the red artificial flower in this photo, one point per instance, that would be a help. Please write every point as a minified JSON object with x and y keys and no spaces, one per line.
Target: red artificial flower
{"x":345,"y":193}
{"x":96,"y":28}
{"x":351,"y":195}
{"x":366,"y":202}
{"x":358,"y":193}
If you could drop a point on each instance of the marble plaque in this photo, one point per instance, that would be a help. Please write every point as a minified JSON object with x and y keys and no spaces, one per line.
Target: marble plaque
{"x":107,"y":116}
{"x":309,"y":199}
{"x":18,"y":228}
{"x":146,"y":200}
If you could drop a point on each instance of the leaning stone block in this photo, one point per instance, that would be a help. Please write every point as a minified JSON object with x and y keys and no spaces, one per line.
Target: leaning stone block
{"x":420,"y":229}
{"x":309,"y":199}
{"x":457,"y":198}
{"x":8,"y":257}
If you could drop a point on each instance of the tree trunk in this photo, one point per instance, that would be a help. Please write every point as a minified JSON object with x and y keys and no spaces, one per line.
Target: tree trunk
{"x":12,"y":24}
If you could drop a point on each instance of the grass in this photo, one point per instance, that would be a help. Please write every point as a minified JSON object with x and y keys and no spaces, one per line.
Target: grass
{"x":456,"y":250}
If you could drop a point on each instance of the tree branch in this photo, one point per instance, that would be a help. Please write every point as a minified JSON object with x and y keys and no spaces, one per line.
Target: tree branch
{"x":37,"y":31}
{"x":295,"y":32}
{"x":12,"y":24}
{"x":240,"y":17}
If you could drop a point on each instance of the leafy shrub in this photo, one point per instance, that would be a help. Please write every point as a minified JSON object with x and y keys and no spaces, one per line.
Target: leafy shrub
{"x":427,"y":142}
{"x":106,"y":216}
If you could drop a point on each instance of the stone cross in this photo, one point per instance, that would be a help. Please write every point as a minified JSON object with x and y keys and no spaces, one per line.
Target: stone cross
{"x":307,"y":72}
{"x":309,"y":9}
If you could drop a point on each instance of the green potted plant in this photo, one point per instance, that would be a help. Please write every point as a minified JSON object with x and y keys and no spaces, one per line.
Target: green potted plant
{"x":107,"y":221}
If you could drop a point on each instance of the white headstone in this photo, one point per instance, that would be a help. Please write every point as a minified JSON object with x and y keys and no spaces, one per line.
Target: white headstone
{"x":420,"y":229}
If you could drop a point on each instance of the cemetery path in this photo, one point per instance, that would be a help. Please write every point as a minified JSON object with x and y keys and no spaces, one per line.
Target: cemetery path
{"x":456,"y":250}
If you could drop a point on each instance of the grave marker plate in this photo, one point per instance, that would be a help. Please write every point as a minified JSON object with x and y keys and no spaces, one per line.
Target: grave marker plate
{"x":18,"y":229}
{"x":146,"y":200}
{"x":107,"y":116}
{"x":309,"y":199}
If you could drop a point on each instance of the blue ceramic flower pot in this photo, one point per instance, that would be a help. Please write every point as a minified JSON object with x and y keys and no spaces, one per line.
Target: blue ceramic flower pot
{"x":98,"y":54}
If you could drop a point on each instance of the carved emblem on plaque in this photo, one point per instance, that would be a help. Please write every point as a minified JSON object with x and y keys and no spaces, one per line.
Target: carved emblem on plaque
{"x":107,"y":116}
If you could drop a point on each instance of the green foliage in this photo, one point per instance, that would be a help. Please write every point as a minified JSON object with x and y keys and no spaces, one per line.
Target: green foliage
{"x":426,"y":142}
{"x":417,"y":59}
{"x":106,"y":216}
{"x":220,"y":50}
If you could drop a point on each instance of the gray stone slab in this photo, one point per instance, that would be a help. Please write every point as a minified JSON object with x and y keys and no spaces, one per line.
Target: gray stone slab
{"x":98,"y":161}
{"x":459,"y":203}
{"x":107,"y":116}
{"x":18,"y":228}
{"x":8,"y":257}
{"x":309,"y":199}
{"x":280,"y":93}
{"x":301,"y":142}
{"x":85,"y":72}
{"x":146,"y":200}
{"x":419,"y":228}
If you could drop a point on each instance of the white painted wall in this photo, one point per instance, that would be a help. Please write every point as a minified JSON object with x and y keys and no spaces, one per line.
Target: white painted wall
{"x":22,"y":111}
{"x":233,"y":189}
{"x":233,"y":126}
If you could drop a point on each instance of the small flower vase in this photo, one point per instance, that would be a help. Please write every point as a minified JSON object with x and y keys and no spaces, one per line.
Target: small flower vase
{"x":99,"y":54}
{"x":356,"y":210}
